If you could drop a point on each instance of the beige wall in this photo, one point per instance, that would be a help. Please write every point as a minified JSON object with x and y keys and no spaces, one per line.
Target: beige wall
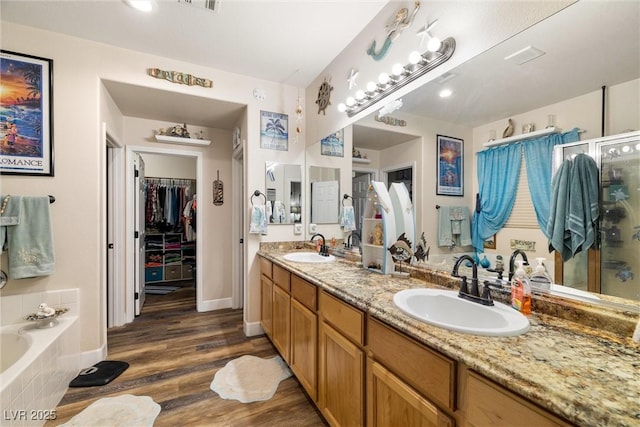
{"x":81,"y":104}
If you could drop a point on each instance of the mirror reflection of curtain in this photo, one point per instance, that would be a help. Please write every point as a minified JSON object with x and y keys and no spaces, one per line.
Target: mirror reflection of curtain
{"x":498,"y":170}
{"x":324,"y":206}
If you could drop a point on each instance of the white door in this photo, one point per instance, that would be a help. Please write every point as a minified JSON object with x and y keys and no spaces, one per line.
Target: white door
{"x":139,"y":235}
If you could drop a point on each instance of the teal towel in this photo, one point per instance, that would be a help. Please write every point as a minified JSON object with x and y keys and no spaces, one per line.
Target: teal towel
{"x":454,"y":227}
{"x":584,"y":209}
{"x":574,"y":209}
{"x":30,"y":242}
{"x":258,"y":223}
{"x":10,"y":217}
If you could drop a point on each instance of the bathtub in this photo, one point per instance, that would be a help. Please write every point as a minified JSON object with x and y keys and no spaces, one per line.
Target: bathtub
{"x":36,"y":367}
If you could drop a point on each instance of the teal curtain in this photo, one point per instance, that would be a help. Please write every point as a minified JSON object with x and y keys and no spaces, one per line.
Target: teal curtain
{"x":538,"y":153}
{"x":498,"y":170}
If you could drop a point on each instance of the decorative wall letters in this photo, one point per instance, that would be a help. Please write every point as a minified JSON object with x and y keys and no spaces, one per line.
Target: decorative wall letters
{"x":178,"y":77}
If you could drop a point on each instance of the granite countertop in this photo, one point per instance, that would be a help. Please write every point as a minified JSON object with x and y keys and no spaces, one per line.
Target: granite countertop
{"x":583,"y":374}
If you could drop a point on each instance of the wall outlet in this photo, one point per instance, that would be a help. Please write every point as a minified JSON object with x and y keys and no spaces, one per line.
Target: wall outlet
{"x":313,"y":228}
{"x":297,"y":228}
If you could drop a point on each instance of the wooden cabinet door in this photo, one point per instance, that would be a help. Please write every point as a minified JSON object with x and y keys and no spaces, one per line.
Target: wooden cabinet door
{"x":341,"y":379}
{"x":266,"y":305}
{"x":281,"y":326}
{"x":304,"y":347}
{"x":391,"y":402}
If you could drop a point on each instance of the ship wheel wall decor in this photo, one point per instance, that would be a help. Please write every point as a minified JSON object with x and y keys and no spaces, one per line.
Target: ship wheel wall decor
{"x":324,"y":96}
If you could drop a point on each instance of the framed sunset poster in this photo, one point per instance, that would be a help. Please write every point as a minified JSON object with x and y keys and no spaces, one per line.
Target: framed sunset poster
{"x":450,"y":166}
{"x":26,"y":137}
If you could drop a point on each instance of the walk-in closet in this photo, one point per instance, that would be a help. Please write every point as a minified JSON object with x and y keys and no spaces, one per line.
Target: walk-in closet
{"x":171,"y":218}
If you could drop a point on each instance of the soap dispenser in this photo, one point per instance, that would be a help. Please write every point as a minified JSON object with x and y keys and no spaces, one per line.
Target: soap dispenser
{"x":540,"y":279}
{"x":521,"y":290}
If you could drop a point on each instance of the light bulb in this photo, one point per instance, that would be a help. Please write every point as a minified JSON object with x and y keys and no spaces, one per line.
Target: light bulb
{"x":397,"y":69}
{"x":626,"y":149}
{"x":360,"y":94}
{"x":141,"y":5}
{"x":371,"y":87}
{"x":433,"y":44}
{"x":414,"y":57}
{"x":342,"y":108}
{"x":383,"y":78}
{"x":350,"y":101}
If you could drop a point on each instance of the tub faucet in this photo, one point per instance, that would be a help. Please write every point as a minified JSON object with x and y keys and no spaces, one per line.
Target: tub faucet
{"x":513,"y":259}
{"x":323,"y":247}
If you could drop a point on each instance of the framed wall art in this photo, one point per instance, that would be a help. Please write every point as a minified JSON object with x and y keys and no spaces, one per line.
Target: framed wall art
{"x":450,"y":168}
{"x":333,"y":145}
{"x":274,"y":131}
{"x":26,"y":114}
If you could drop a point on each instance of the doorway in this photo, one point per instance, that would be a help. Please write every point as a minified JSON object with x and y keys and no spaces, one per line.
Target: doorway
{"x":127,"y":303}
{"x":359,"y":188}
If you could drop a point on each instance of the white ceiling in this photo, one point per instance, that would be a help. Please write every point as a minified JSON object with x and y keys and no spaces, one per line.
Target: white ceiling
{"x":587,"y":45}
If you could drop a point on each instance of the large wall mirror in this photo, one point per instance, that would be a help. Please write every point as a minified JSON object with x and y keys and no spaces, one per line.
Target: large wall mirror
{"x":325,"y":194}
{"x":283,"y":184}
{"x":484,"y":87}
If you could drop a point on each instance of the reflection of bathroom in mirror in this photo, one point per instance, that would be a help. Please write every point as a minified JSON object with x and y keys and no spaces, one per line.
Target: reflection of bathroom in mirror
{"x":283,"y":185}
{"x":548,"y":92}
{"x":325,"y":194}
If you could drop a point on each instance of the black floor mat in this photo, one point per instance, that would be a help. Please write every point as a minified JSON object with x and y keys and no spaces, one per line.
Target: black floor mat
{"x":99,"y":374}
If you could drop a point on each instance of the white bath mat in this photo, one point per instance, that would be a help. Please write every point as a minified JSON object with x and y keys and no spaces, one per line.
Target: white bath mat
{"x":250,"y":378}
{"x":119,"y":411}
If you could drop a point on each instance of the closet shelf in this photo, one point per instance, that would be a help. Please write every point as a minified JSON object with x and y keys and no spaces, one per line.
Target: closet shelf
{"x":183,"y":141}
{"x":360,"y":160}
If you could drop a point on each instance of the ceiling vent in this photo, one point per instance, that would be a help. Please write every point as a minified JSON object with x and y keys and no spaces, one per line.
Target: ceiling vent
{"x":524,"y":55}
{"x":212,"y":5}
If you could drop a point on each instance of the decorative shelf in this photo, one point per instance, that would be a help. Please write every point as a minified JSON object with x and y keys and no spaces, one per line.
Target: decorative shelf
{"x":183,"y":141}
{"x":360,"y":160}
{"x":528,"y":135}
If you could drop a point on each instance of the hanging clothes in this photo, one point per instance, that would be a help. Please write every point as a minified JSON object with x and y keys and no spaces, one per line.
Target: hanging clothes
{"x":166,"y":200}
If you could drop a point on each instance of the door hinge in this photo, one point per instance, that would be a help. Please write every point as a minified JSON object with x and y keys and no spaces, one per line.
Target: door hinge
{"x":110,"y":246}
{"x":136,"y":173}
{"x":241,"y":241}
{"x":136,"y":235}
{"x":136,"y":295}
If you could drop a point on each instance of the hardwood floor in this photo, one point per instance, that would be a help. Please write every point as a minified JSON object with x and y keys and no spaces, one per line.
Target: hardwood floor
{"x":173,"y":353}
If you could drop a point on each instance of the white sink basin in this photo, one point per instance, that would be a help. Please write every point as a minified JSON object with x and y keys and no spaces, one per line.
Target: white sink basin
{"x":445,"y":309}
{"x":308,"y":257}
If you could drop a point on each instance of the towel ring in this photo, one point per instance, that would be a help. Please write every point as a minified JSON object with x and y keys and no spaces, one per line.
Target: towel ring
{"x":256,"y":194}
{"x":345,"y":197}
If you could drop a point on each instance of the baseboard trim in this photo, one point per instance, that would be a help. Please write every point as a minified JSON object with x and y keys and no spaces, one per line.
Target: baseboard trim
{"x":252,"y":329}
{"x":91,"y":357}
{"x":214,"y":304}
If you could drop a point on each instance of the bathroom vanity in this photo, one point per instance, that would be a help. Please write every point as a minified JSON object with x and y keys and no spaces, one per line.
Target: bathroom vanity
{"x":363,"y":362}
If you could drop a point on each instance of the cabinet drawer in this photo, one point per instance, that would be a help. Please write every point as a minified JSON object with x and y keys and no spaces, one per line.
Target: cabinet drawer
{"x":282,"y":278}
{"x":173,"y":272}
{"x":425,"y":370}
{"x":491,"y":404}
{"x":265,"y":267}
{"x":304,"y":292}
{"x":345,"y":318}
{"x":153,"y":274}
{"x":187,"y":271}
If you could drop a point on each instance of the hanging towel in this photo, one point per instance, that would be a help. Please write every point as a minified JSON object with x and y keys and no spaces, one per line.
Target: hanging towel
{"x":348,"y":218}
{"x":269,"y":211}
{"x":454,"y":227}
{"x":559,"y":237}
{"x":583,"y":203}
{"x":29,"y":243}
{"x":574,"y":207}
{"x":258,"y":223}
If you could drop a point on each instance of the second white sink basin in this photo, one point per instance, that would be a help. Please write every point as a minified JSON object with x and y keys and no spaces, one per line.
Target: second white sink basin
{"x":445,"y":309}
{"x":308,"y":257}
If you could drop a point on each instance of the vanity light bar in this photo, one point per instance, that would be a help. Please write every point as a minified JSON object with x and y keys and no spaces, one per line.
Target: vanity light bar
{"x":427,"y":62}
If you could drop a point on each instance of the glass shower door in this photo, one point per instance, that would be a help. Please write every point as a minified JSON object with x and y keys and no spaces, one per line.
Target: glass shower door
{"x":619,"y":162}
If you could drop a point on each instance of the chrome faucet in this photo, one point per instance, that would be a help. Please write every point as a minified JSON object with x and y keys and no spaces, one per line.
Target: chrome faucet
{"x":513,"y":259}
{"x":324,"y":251}
{"x":472,"y":295}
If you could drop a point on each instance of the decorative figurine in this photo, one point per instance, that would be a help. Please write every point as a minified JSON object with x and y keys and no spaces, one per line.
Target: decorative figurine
{"x":324,"y":96}
{"x":422,"y":251}
{"x":45,"y":311}
{"x":401,"y":250}
{"x":509,"y":130}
